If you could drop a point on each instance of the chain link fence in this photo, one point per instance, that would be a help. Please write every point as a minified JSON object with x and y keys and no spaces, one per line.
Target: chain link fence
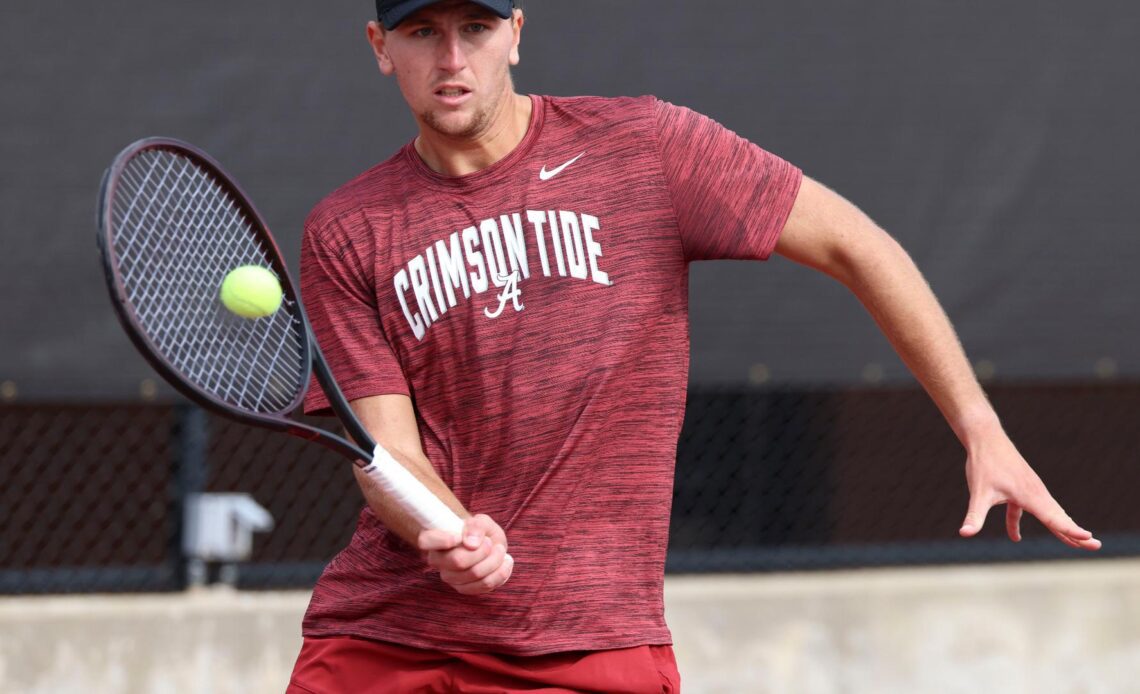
{"x":92,"y":497}
{"x":788,"y":479}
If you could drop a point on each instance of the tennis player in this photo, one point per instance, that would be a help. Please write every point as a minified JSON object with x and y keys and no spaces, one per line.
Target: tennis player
{"x":504,"y":303}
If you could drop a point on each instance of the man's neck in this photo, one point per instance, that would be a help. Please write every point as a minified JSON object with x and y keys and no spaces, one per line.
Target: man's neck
{"x":458,"y":157}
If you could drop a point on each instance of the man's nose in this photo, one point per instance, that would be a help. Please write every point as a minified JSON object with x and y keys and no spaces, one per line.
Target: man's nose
{"x":451,"y":55}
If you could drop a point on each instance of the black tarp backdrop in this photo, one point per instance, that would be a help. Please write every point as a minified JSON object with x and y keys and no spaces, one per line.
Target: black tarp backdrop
{"x":995,"y":140}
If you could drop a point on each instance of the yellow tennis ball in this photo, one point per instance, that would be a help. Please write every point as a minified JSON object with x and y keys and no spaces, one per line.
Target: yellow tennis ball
{"x":251,"y":291}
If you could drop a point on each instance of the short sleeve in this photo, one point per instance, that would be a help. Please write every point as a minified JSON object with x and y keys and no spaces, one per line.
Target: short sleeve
{"x":731,"y":197}
{"x":341,"y":306}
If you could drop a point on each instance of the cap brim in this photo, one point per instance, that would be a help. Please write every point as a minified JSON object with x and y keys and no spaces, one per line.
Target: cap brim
{"x":394,"y":16}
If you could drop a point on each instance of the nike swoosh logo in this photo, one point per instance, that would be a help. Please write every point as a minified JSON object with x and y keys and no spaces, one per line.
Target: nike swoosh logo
{"x":545,"y":175}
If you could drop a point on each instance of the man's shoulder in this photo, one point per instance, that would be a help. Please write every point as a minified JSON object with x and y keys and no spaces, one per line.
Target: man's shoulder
{"x":600,"y":109}
{"x":369,"y":192}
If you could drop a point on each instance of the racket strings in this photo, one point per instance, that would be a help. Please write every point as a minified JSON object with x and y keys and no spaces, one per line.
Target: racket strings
{"x":176,"y":234}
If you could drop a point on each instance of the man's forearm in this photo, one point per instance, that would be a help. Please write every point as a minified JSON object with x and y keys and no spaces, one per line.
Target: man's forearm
{"x":475,"y":563}
{"x":829,"y":234}
{"x":390,"y":420}
{"x":890,"y":286}
{"x":393,"y":515}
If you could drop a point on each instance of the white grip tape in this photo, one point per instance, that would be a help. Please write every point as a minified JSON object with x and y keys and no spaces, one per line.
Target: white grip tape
{"x":411,"y":494}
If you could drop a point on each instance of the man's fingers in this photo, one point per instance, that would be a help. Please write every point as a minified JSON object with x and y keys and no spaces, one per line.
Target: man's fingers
{"x":1046,"y":509}
{"x":477,"y":571}
{"x":1053,"y":517}
{"x":1089,"y":543}
{"x":473,"y":562}
{"x":491,"y":582}
{"x":460,"y":558}
{"x":430,"y":540}
{"x":1013,"y":521}
{"x":975,"y":515}
{"x":1068,"y":540}
{"x":473,"y":533}
{"x":1061,"y":523}
{"x":482,"y":526}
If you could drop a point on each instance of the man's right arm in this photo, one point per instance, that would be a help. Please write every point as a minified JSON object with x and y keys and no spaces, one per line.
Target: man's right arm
{"x":473,"y":564}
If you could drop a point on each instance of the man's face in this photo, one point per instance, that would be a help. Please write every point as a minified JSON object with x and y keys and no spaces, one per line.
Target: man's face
{"x":452,"y":61}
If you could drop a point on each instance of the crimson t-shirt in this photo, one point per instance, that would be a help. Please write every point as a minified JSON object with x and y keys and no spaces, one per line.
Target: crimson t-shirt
{"x":536,"y":311}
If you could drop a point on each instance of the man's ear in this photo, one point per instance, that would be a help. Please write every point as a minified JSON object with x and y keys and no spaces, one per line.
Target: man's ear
{"x":378,"y":39}
{"x":517,"y":20}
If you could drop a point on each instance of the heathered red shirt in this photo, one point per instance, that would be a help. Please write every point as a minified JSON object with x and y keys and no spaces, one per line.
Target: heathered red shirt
{"x":536,"y":312}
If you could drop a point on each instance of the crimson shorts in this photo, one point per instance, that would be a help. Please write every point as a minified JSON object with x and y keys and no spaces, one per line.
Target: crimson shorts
{"x":347,"y":665}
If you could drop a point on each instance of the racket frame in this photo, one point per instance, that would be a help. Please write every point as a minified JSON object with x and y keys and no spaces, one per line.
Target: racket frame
{"x":360,"y":448}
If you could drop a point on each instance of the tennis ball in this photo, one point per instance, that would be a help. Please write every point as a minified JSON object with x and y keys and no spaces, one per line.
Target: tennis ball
{"x":251,"y":291}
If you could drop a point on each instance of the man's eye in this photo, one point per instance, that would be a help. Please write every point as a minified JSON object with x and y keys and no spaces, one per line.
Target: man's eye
{"x":476,"y":28}
{"x":423,"y":32}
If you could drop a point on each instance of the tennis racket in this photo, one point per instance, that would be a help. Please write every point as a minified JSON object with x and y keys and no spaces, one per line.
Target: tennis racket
{"x":172,"y":224}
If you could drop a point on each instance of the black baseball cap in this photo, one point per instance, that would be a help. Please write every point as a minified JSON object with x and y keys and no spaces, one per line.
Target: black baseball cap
{"x":392,"y":12}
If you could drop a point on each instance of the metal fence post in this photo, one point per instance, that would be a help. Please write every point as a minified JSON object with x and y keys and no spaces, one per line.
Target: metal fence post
{"x":191,"y":448}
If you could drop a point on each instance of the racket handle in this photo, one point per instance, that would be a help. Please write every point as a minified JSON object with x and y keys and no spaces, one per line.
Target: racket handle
{"x":411,"y":494}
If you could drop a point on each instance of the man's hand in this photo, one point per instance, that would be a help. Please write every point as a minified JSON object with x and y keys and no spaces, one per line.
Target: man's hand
{"x":998,"y":474}
{"x":474,"y":564}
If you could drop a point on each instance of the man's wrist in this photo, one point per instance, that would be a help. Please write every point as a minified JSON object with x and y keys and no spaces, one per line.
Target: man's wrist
{"x":977,"y":424}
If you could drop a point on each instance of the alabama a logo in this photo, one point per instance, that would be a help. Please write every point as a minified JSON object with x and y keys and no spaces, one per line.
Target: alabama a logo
{"x":511,"y":292}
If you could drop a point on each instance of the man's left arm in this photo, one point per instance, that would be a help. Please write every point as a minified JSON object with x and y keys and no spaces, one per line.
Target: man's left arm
{"x":828,"y":233}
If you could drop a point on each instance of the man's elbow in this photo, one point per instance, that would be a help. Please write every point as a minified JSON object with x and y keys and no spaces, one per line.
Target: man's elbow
{"x":828,"y":233}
